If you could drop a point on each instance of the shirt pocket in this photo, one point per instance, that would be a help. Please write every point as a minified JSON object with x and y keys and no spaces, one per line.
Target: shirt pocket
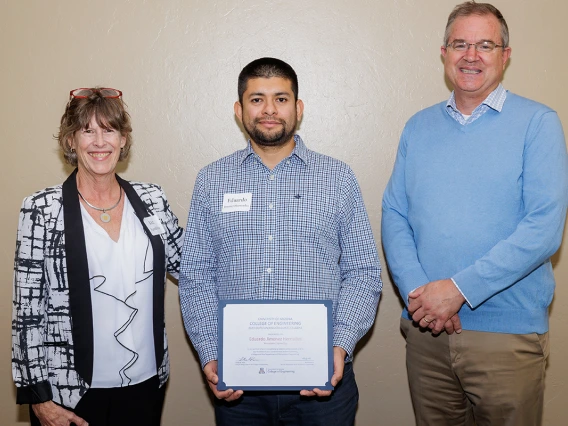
{"x":312,"y":216}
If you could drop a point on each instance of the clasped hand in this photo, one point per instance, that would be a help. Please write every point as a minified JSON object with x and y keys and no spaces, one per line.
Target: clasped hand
{"x":435,"y":306}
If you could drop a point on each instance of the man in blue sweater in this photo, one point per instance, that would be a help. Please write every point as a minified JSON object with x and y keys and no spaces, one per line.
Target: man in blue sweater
{"x":472,"y":213}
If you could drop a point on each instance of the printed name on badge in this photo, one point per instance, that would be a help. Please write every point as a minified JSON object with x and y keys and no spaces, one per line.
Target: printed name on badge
{"x":237,"y":202}
{"x":154,"y":225}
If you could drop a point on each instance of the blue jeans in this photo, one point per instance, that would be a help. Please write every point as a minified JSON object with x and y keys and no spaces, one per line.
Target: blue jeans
{"x":289,"y":408}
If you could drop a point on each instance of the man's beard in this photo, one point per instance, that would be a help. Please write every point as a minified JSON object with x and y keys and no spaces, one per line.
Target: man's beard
{"x":265,"y":139}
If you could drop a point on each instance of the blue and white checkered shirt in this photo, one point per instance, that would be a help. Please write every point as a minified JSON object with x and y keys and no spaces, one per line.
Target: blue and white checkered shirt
{"x":305,"y":236}
{"x":495,"y":101}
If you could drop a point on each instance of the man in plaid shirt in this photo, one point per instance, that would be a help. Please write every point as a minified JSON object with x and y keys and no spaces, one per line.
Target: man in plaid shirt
{"x":300,"y":232}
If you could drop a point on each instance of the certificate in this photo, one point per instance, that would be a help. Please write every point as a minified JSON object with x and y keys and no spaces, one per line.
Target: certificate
{"x":275,"y":344}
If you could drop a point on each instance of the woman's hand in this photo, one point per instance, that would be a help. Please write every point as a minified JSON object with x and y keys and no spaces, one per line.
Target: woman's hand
{"x":51,"y":414}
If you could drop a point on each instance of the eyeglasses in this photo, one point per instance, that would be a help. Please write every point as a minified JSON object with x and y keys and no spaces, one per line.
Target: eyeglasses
{"x":481,"y":46}
{"x":105,"y":92}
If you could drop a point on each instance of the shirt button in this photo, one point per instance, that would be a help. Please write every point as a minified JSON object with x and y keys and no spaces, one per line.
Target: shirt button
{"x":288,"y":162}
{"x":268,"y":270}
{"x":270,"y":238}
{"x":271,"y":206}
{"x":272,"y":177}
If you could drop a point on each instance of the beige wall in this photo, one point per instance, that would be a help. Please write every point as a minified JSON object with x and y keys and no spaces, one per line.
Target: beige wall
{"x":364,"y":68}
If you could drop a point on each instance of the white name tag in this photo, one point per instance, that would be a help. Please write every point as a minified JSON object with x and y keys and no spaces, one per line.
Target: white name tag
{"x":154,"y":225}
{"x":237,"y":202}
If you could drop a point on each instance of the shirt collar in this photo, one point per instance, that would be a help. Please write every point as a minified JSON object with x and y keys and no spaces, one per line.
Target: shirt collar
{"x":299,"y":151}
{"x":495,"y":100}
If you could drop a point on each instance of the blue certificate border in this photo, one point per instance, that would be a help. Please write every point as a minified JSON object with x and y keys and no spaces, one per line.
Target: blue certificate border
{"x":221,"y":385}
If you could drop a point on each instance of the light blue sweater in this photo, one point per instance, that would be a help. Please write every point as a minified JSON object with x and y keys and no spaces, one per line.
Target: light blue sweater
{"x":484,"y":204}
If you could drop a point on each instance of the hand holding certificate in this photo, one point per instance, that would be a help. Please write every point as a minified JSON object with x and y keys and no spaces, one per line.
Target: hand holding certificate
{"x":275,"y":345}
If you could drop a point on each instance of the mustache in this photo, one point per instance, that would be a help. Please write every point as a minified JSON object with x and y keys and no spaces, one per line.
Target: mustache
{"x":279,"y":120}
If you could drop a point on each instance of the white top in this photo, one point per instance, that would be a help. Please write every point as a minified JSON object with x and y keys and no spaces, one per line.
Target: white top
{"x":120,"y":275}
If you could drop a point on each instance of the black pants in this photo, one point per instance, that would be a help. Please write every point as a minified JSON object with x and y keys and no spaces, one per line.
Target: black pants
{"x":139,"y":405}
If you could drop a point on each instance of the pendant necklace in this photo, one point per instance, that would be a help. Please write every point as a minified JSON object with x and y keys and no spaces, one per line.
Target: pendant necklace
{"x":105,"y":217}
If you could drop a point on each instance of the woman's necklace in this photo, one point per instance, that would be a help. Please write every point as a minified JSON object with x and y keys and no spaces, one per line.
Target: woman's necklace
{"x":105,"y":217}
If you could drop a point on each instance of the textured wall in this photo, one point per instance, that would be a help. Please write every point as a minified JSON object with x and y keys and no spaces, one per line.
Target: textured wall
{"x":364,"y":67}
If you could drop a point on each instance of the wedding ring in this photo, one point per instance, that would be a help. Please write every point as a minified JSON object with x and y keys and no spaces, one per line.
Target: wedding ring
{"x":426,"y":321}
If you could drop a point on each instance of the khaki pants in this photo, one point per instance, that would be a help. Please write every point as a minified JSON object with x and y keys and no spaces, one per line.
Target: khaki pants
{"x":475,"y":378}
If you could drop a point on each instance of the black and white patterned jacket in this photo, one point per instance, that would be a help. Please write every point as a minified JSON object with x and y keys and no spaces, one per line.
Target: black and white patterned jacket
{"x":52,"y":323}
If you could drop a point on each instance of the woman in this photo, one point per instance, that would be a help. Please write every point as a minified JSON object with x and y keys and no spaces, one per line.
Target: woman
{"x":88,"y":338}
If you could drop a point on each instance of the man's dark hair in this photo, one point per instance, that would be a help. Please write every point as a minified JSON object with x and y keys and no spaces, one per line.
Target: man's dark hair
{"x":267,"y":68}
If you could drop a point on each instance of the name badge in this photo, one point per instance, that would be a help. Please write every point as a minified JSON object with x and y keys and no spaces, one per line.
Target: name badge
{"x":154,"y":225}
{"x":237,"y":202}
